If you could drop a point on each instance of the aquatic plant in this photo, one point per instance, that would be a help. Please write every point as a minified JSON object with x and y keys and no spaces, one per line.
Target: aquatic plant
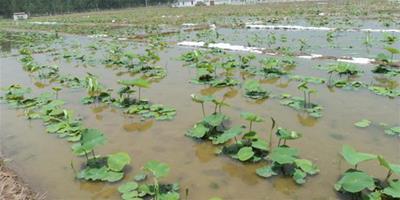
{"x":253,"y":90}
{"x":251,"y":117}
{"x":298,"y":103}
{"x":139,"y":83}
{"x":156,"y":190}
{"x":360,"y":185}
{"x":285,"y":160}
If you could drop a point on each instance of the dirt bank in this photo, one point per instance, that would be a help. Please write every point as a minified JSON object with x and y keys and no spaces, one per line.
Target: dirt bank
{"x":12,"y":187}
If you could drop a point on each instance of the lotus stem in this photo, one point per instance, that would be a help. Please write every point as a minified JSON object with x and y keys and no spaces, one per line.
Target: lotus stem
{"x":94,"y":155}
{"x":309,"y":100}
{"x":202,"y":108}
{"x":270,"y":134}
{"x":305,"y":99}
{"x":139,"y":95}
{"x":279,"y":142}
{"x":87,"y":157}
{"x":388,"y":175}
{"x":251,"y":124}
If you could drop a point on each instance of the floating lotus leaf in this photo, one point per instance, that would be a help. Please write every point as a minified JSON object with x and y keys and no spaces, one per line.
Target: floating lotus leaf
{"x":251,"y":117}
{"x":198,"y":131}
{"x":363,"y":123}
{"x":354,"y":182}
{"x":116,"y":162}
{"x":265,"y":172}
{"x":215,"y":119}
{"x":284,"y":155}
{"x":158,"y":169}
{"x":228,"y":134}
{"x":287,"y":134}
{"x":245,"y":153}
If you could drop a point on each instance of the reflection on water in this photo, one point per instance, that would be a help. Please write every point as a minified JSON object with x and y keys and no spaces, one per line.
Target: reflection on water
{"x":40,"y":85}
{"x":269,"y":81}
{"x":231,"y":93}
{"x":386,"y":82}
{"x":209,"y":91}
{"x":98,"y":108}
{"x":245,"y":172}
{"x":286,"y":185}
{"x":205,"y":151}
{"x":138,"y":126}
{"x":306,"y":120}
{"x":283,"y":84}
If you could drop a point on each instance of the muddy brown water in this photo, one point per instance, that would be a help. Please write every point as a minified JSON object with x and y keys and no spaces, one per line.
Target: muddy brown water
{"x":44,"y":161}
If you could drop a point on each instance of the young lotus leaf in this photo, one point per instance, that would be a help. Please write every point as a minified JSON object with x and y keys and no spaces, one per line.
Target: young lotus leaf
{"x":228,"y":134}
{"x":377,"y":195}
{"x":363,"y":123}
{"x":127,"y":187}
{"x":354,"y":182}
{"x":307,"y":166}
{"x":392,"y":167}
{"x":393,"y":131}
{"x":299,"y":176}
{"x":393,"y":189}
{"x":286,"y":134}
{"x":283,"y":155}
{"x":89,"y":140}
{"x":251,"y":117}
{"x":245,"y":153}
{"x":200,"y":98}
{"x":198,"y":131}
{"x":158,"y":169}
{"x":265,"y":172}
{"x":215,"y":120}
{"x":100,"y":174}
{"x":353,"y":157}
{"x":135,"y":82}
{"x":140,"y":177}
{"x":116,"y":162}
{"x":260,"y":144}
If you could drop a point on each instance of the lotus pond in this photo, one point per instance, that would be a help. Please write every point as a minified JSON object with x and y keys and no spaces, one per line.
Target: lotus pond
{"x":216,"y":113}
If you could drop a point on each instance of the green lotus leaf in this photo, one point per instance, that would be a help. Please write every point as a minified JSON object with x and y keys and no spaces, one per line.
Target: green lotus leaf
{"x":265,"y":172}
{"x":353,"y":157}
{"x":116,"y":162}
{"x":393,"y":131}
{"x":260,"y":144}
{"x":128,"y":187}
{"x":90,"y":138}
{"x":286,"y":134}
{"x":284,"y":155}
{"x":251,"y":117}
{"x":393,"y":189}
{"x":245,"y":153}
{"x":198,"y":131}
{"x":392,"y":167}
{"x":158,"y":169}
{"x":363,"y":123}
{"x":135,"y":82}
{"x":299,"y":176}
{"x":215,"y":120}
{"x":307,"y":166}
{"x":228,"y":134}
{"x":354,"y":182}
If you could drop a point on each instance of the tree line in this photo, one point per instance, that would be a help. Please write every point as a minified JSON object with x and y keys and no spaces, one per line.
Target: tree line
{"x":50,"y":7}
